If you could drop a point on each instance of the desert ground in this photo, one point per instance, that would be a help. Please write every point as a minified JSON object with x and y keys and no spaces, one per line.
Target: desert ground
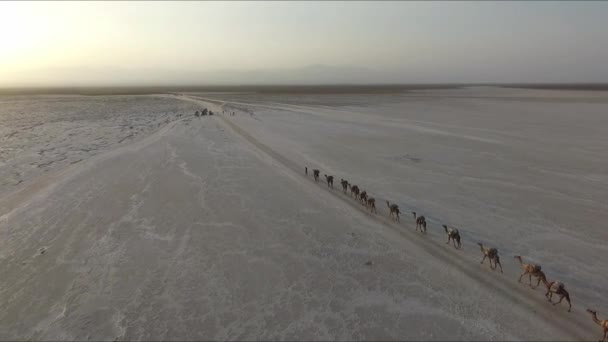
{"x":128,"y":218}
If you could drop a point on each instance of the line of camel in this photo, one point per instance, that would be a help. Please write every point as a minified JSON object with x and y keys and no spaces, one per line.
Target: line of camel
{"x":491,"y":253}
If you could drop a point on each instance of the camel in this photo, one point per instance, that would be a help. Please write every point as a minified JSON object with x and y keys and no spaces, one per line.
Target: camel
{"x":315,"y":173}
{"x":556,"y":287}
{"x":344,"y":183}
{"x":453,"y":235}
{"x":330,"y":181}
{"x":491,"y":254}
{"x":363,"y":197}
{"x":371,"y":204}
{"x":420,"y":222}
{"x":394,"y":210}
{"x":354,"y":190}
{"x":602,"y":323}
{"x":530,"y":270}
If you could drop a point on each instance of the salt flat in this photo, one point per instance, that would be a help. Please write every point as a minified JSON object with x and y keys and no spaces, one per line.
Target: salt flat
{"x":207,"y":228}
{"x":524,"y":170}
{"x":45,"y":132}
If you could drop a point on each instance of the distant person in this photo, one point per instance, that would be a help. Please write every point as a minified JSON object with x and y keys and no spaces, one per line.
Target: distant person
{"x":306,"y":170}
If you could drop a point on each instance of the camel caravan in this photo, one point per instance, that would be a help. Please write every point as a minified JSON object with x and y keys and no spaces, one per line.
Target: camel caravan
{"x":530,"y":270}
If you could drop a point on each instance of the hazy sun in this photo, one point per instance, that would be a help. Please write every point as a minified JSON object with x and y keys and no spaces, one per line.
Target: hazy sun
{"x":18,"y":32}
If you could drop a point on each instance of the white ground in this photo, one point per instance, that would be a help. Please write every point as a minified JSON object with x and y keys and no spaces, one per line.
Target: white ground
{"x":208,"y":228}
{"x":42,"y":133}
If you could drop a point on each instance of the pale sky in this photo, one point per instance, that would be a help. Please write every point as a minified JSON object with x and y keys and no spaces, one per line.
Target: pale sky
{"x":105,"y":43}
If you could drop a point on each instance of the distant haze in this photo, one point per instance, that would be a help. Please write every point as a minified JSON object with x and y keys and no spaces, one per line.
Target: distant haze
{"x":226,"y":43}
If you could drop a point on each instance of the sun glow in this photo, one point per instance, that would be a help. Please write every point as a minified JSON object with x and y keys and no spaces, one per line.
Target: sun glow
{"x":17,"y":33}
{"x":35,"y":36}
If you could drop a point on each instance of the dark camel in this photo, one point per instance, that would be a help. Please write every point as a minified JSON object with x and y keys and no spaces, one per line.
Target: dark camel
{"x":601,"y":322}
{"x":344,"y":183}
{"x":354,"y":190}
{"x":363,"y":197}
{"x":453,"y":235}
{"x":394,"y":210}
{"x":371,"y":204}
{"x":420,"y":222}
{"x":315,"y":173}
{"x":330,"y":181}
{"x":555,"y":287}
{"x":492,"y":255}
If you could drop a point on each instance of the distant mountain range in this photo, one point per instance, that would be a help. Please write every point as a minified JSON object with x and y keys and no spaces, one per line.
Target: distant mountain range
{"x":112,"y":76}
{"x":312,"y":75}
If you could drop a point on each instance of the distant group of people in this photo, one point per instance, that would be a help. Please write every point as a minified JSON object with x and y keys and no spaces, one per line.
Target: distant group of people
{"x":203,"y":112}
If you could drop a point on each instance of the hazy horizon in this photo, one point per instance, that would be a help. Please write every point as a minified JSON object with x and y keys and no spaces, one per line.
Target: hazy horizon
{"x":265,"y":43}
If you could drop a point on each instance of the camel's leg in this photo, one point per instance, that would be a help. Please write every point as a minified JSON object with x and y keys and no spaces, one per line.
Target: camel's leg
{"x":398,"y":218}
{"x":499,"y":264}
{"x":561,"y":297}
{"x":484,"y":259}
{"x":448,"y":240}
{"x":523,"y":274}
{"x":454,"y":243}
{"x":537,"y":283}
{"x":605,"y":333}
